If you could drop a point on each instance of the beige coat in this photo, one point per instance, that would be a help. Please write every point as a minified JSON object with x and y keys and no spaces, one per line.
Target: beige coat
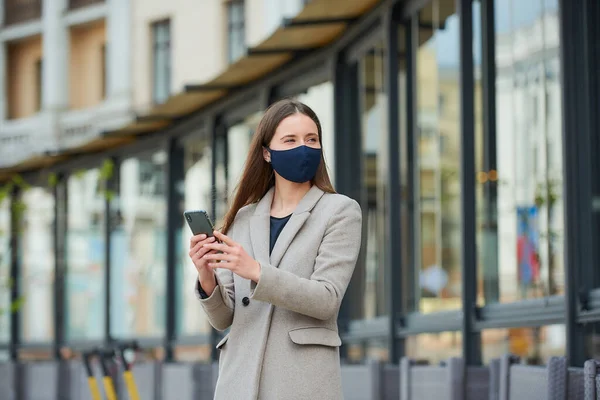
{"x":283,"y":343}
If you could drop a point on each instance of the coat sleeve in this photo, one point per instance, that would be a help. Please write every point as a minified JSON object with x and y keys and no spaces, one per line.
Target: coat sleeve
{"x":220,"y":304}
{"x":321,"y":295}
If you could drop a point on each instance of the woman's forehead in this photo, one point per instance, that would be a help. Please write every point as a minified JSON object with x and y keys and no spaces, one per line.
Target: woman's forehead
{"x":296,"y":124}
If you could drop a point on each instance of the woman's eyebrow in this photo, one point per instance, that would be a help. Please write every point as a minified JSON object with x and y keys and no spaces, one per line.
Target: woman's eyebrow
{"x":293,"y":136}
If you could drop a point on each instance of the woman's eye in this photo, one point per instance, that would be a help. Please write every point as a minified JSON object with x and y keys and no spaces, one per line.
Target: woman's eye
{"x":289,"y":140}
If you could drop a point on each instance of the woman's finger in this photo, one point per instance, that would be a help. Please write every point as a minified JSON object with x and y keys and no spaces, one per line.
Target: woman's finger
{"x":218,"y":257}
{"x":203,"y":251}
{"x":197,"y":238}
{"x":225,"y":239}
{"x":224,"y":264}
{"x":195,"y":250}
{"x":199,"y":245}
{"x":218,"y":247}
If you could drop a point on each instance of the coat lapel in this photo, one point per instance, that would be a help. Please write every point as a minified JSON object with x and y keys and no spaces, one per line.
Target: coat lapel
{"x":260,"y":228}
{"x":295,"y":223}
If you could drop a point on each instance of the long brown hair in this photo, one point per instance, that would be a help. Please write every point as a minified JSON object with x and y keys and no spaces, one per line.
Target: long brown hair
{"x":258,"y":176}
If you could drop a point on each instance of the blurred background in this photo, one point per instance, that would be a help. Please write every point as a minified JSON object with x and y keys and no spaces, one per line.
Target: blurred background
{"x":466,"y":129}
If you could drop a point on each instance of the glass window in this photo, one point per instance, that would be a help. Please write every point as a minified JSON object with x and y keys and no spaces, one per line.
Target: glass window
{"x":38,"y":84}
{"x":138,"y":248}
{"x":197,"y":196}
{"x":85,"y":257}
{"x":193,"y":353}
{"x":520,"y":210}
{"x":103,"y":67}
{"x":434,"y":347}
{"x":236,"y":28}
{"x":371,"y":275}
{"x":372,"y":349}
{"x":533,"y":345}
{"x":221,"y":192}
{"x":161,"y":61}
{"x":37,"y":252}
{"x":239,"y":138}
{"x":5,"y":255}
{"x":437,"y":160}
{"x":592,"y":341}
{"x":232,"y":151}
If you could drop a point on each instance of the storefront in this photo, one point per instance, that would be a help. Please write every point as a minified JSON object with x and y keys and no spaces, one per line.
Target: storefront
{"x":465,"y":129}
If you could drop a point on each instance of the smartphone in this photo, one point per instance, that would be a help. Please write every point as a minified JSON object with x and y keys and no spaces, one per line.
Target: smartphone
{"x":199,"y":222}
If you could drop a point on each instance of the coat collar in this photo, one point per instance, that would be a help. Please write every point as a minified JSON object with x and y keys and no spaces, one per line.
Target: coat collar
{"x":308,"y":202}
{"x":261,"y":227}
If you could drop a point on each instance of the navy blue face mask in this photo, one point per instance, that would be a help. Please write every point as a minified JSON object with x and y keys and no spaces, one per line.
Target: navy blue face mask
{"x":298,"y":165}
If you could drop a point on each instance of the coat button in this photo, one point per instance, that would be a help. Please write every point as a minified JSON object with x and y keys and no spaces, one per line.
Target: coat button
{"x":245,"y":301}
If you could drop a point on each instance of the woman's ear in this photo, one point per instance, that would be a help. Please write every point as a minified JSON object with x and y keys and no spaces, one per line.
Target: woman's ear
{"x":266,"y":155}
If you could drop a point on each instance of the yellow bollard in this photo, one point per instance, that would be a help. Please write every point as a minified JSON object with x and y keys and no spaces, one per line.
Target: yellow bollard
{"x":131,"y":386}
{"x":92,"y":383}
{"x":132,"y":389}
{"x":109,"y":387}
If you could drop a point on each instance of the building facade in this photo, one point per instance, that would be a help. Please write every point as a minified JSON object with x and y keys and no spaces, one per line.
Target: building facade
{"x":465,"y":129}
{"x":62,"y":86}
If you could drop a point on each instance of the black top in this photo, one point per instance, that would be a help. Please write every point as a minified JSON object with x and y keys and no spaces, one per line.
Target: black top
{"x":277,"y":225}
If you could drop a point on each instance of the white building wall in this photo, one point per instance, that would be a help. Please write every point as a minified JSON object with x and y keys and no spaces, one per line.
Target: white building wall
{"x":198,"y":43}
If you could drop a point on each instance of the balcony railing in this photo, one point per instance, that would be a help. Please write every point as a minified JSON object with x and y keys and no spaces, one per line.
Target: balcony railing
{"x":21,"y":138}
{"x":82,"y":3}
{"x":16,"y":11}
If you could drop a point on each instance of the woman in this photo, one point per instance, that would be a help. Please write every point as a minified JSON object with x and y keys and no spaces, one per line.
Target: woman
{"x":278,"y":277}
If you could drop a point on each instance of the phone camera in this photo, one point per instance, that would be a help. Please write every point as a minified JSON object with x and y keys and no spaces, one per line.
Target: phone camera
{"x":189,"y":218}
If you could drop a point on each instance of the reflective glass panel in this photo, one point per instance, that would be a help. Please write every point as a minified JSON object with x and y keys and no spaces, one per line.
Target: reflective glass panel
{"x":86,"y":256}
{"x":534,"y":345}
{"x":438,"y":154}
{"x":5,"y":283}
{"x":374,"y":349}
{"x":371,"y":269}
{"x":37,"y":257}
{"x":434,"y":347}
{"x":320,"y":99}
{"x":520,"y":178}
{"x":197,"y":196}
{"x":138,"y":247}
{"x":239,"y":137}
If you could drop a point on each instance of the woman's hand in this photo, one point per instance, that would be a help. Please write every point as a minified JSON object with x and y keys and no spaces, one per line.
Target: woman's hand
{"x":232,"y":256}
{"x":198,"y":249}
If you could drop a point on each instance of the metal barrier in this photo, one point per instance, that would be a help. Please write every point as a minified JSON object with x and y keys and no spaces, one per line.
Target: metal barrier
{"x":109,"y":374}
{"x":8,"y":380}
{"x":189,"y":381}
{"x":38,"y":380}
